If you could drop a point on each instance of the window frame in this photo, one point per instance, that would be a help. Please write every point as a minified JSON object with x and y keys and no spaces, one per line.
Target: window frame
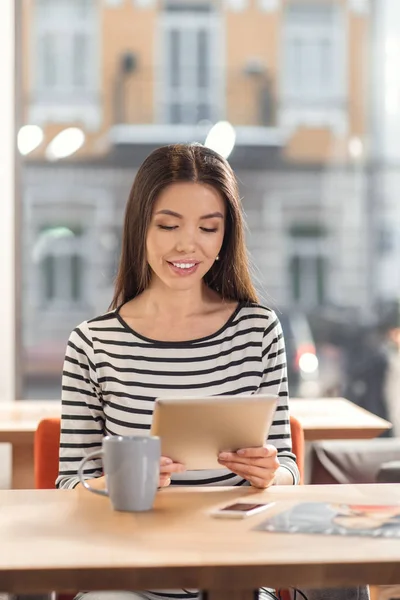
{"x":64,"y":250}
{"x":308,"y":242}
{"x":311,"y":32}
{"x":71,"y":104}
{"x":179,"y":16}
{"x":64,"y":32}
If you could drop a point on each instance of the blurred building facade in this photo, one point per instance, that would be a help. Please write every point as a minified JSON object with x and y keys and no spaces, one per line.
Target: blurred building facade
{"x":292,"y":77}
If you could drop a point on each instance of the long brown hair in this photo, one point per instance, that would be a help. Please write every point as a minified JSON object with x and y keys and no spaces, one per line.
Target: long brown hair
{"x":229,"y":276}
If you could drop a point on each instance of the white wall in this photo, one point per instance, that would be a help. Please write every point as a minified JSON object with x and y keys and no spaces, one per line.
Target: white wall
{"x":7,"y":271}
{"x":7,"y":205}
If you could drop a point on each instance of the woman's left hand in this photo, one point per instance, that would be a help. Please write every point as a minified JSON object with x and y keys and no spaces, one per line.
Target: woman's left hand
{"x":257,"y":465}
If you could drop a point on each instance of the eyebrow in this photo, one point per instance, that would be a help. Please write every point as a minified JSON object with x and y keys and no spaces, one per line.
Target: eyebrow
{"x":171,"y":213}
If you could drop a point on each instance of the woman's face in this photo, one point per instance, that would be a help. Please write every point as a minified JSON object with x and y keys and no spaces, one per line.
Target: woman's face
{"x":185,"y":234}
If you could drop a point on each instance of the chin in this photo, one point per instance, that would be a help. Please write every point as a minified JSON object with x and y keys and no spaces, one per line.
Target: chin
{"x":182,"y":286}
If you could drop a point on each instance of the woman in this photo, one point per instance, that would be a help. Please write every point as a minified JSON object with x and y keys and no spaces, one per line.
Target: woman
{"x":184,"y":320}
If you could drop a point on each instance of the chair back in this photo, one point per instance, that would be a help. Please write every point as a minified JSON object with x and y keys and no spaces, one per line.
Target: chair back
{"x":297,"y":433}
{"x":46,"y":445}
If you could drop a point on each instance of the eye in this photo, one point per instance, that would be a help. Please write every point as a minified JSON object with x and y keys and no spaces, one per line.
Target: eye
{"x":209,"y":230}
{"x":167,"y":227}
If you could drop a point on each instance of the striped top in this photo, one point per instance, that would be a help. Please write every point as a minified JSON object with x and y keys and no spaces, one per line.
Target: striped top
{"x":112,"y":376}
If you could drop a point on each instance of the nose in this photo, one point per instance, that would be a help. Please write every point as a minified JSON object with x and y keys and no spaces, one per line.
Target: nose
{"x":186,"y":243}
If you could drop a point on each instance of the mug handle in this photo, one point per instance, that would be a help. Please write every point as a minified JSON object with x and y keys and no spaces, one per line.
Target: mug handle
{"x":95,"y":454}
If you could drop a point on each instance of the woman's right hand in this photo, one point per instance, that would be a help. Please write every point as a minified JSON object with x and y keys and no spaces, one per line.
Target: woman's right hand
{"x":167,"y":467}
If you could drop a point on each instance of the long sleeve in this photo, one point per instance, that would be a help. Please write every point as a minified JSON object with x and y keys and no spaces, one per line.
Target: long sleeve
{"x":82,"y":418}
{"x":274,"y":381}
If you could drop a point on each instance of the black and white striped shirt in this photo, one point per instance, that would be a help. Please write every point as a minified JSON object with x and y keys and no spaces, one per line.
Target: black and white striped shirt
{"x":112,"y":376}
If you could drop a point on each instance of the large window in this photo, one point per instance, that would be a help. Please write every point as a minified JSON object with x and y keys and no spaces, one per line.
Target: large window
{"x":190,"y":90}
{"x":310,"y":88}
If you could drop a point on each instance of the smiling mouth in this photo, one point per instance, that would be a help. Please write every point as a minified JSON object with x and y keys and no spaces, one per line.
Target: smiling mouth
{"x":184,"y":265}
{"x":183,"y":268}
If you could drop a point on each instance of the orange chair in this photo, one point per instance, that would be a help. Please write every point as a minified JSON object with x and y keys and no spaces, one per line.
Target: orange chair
{"x":46,"y":444}
{"x":297,"y":433}
{"x":47,"y":441}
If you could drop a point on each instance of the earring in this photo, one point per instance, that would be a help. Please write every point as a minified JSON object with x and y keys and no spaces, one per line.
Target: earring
{"x":217,"y":257}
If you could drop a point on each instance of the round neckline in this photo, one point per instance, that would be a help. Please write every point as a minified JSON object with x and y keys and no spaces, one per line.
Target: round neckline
{"x":182,"y":343}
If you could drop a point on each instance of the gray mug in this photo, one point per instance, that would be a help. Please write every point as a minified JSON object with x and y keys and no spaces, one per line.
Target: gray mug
{"x":131,"y":467}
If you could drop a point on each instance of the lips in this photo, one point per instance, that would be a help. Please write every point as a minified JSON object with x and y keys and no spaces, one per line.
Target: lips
{"x":183,"y":268}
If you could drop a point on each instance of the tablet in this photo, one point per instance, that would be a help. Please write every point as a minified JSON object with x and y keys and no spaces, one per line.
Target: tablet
{"x":194,"y":431}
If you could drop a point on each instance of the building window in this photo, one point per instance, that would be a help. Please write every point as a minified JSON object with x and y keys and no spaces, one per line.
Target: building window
{"x":65,"y":49}
{"x":313,"y":53}
{"x":59,"y":252}
{"x":308,"y":266}
{"x":189,"y":92}
{"x":62,"y":278}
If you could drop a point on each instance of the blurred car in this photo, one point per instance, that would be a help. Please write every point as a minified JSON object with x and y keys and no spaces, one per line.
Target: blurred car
{"x":302,"y":360}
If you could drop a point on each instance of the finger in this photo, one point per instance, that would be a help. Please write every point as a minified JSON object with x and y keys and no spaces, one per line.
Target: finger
{"x":164,"y":481}
{"x":263,"y":451}
{"x":227,"y":456}
{"x":258,"y":482}
{"x":165,"y":461}
{"x":250,"y":471}
{"x":172,"y":468}
{"x":260,"y":452}
{"x":264,"y":463}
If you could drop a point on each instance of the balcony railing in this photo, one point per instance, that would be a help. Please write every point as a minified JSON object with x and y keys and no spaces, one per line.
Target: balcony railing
{"x":242,"y":98}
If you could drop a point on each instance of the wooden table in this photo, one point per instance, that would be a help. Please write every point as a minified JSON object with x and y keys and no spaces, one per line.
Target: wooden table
{"x":72,"y":540}
{"x":336,"y":418}
{"x":321,"y":418}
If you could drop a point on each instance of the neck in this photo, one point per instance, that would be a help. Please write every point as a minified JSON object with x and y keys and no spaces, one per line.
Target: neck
{"x":159,"y":300}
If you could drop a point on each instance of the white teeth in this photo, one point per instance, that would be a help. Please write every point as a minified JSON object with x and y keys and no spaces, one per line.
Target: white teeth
{"x":184,"y":265}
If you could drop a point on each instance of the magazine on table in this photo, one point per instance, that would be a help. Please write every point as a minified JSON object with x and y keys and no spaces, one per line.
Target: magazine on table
{"x":328,"y":518}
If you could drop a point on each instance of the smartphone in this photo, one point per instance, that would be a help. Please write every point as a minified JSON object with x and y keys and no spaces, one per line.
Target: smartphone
{"x":240,"y":510}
